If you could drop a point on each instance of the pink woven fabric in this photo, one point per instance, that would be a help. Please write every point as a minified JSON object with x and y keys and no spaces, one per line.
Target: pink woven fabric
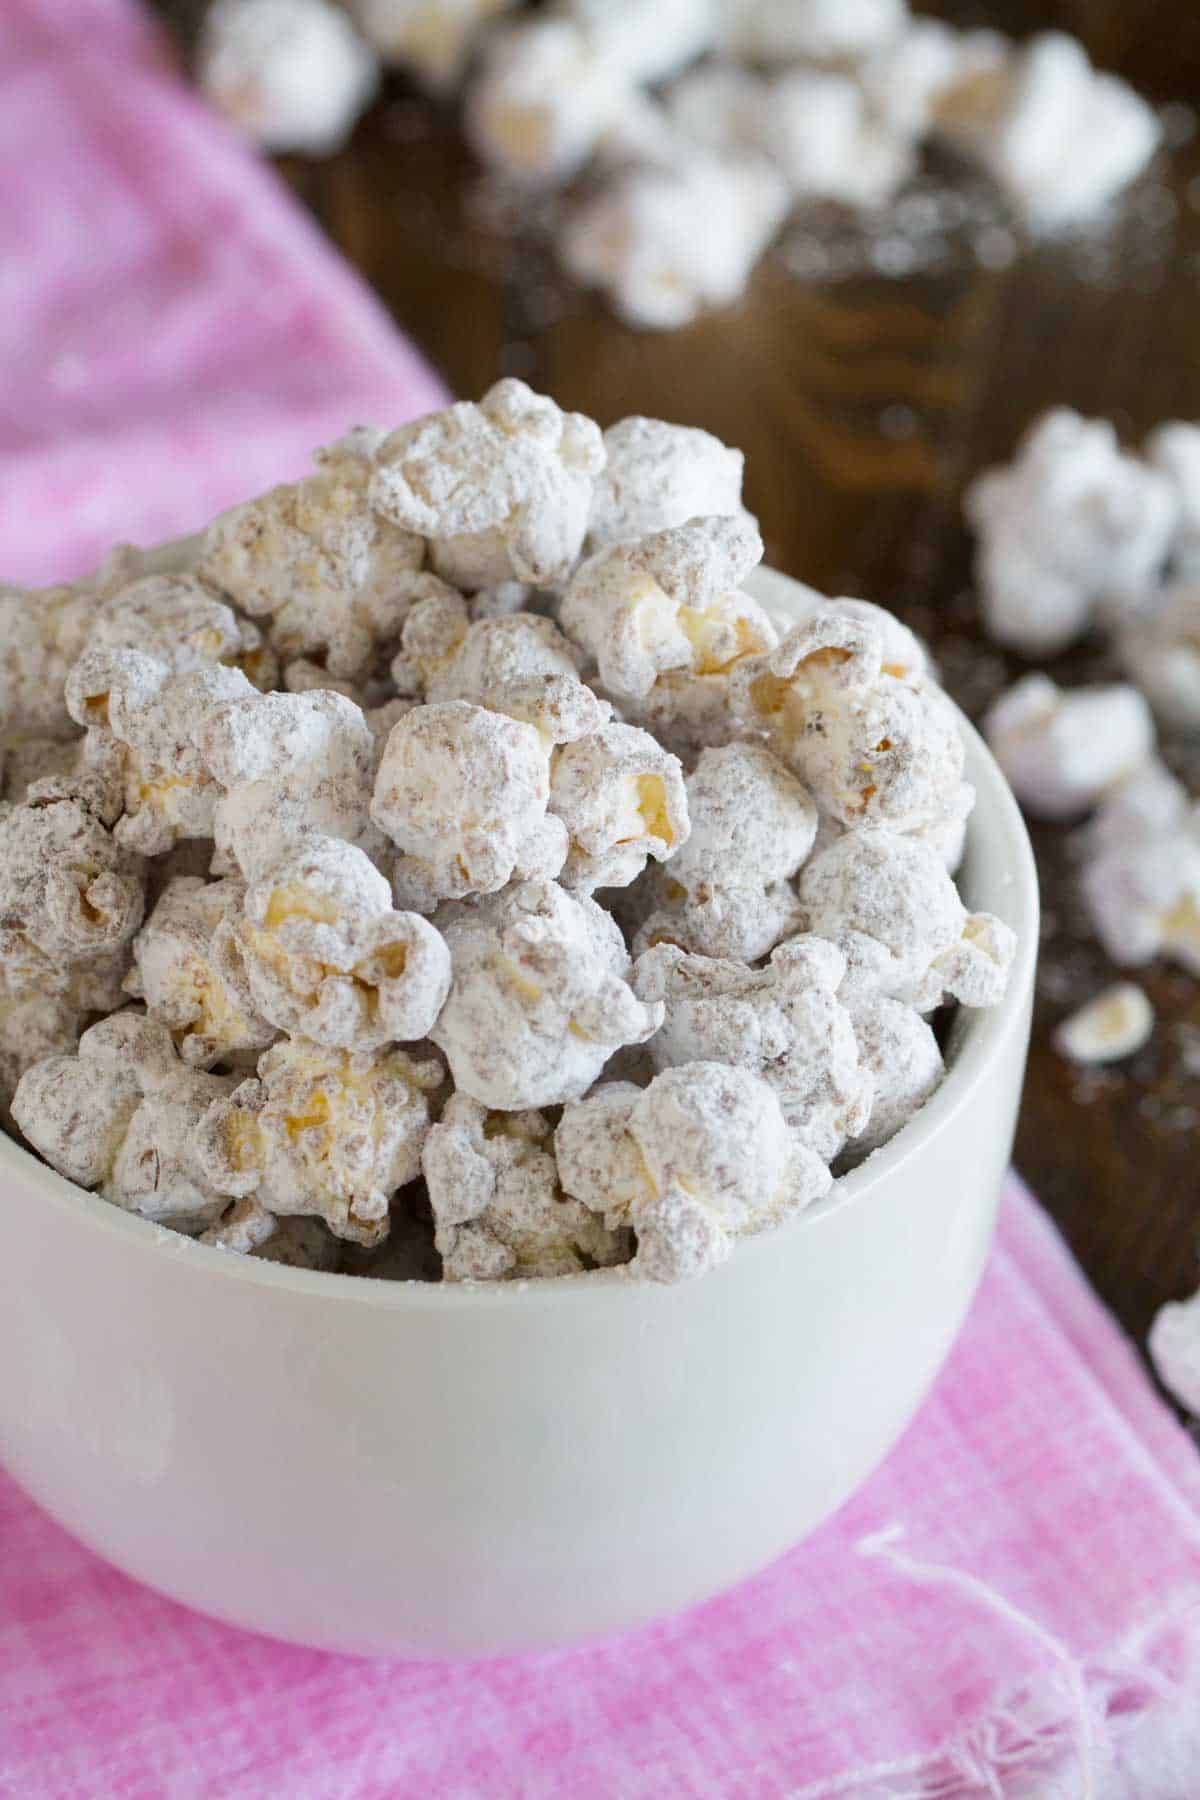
{"x":173,"y":335}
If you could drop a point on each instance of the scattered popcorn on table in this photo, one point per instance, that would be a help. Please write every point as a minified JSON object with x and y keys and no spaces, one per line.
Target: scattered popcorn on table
{"x":1059,"y":138}
{"x":1109,"y":1028}
{"x":782,"y":30}
{"x":1175,"y":1350}
{"x":1142,"y":888}
{"x":666,"y":243}
{"x":291,"y":74}
{"x":376,"y":867}
{"x":701,"y":1157}
{"x":1074,"y":526}
{"x":433,"y":38}
{"x":539,"y":999}
{"x":548,"y":91}
{"x":1161,"y":653}
{"x":500,"y":1212}
{"x":649,"y":42}
{"x":1062,"y":750}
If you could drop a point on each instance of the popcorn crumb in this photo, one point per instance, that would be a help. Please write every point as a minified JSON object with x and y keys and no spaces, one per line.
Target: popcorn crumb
{"x":1109,"y":1028}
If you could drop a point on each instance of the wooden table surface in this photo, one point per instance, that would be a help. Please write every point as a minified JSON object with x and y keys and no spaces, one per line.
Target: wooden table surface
{"x":864,"y":403}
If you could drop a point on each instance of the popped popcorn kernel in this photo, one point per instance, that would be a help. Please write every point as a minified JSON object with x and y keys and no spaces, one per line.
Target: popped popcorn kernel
{"x":330,"y":1134}
{"x":501,"y":489}
{"x":499,"y":1209}
{"x":539,"y":999}
{"x":1062,"y":750}
{"x":622,"y":799}
{"x":290,"y":74}
{"x":657,"y":476}
{"x":188,"y":973}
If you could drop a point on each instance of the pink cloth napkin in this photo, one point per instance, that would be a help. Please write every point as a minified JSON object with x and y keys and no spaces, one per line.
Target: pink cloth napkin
{"x":1011,"y":1607}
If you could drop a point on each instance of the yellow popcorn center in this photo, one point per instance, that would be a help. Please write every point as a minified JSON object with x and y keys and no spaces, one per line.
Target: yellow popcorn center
{"x":1181,"y":928}
{"x":243,"y":1141}
{"x":216,"y":1016}
{"x":652,"y":806}
{"x":317,"y":1115}
{"x":298,"y":902}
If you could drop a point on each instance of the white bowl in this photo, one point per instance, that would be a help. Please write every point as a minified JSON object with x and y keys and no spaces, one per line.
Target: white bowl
{"x":449,"y":1471}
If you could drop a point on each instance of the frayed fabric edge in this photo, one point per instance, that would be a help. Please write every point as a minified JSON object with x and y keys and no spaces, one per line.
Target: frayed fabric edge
{"x":1071,"y":1724}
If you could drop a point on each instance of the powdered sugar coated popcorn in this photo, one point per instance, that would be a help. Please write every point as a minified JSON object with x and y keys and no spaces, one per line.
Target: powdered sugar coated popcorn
{"x":900,"y":1055}
{"x":1061,"y":750}
{"x":889,"y":905}
{"x":330,"y":1134}
{"x":657,"y":476}
{"x":1058,"y":137}
{"x":874,"y":748}
{"x":668,"y":602}
{"x":189,"y":974}
{"x":1141,"y":872}
{"x":463,"y":793}
{"x":540,"y":997}
{"x":1071,"y":528}
{"x":727,"y":892}
{"x":783,"y":1022}
{"x":69,"y":893}
{"x":118,"y":1116}
{"x":333,"y":577}
{"x":502,"y":489}
{"x":523,"y":666}
{"x":325,"y":957}
{"x":622,"y":799}
{"x":1161,"y":653}
{"x":291,"y":74}
{"x":548,"y":92}
{"x":783,"y":30}
{"x":665,"y":242}
{"x":182,"y":622}
{"x":701,"y":1157}
{"x":433,"y":38}
{"x":33,"y":1026}
{"x":497,"y":1203}
{"x":290,"y":765}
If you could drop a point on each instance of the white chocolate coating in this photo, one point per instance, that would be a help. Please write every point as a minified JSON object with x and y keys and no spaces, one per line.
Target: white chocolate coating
{"x":190,"y":977}
{"x":334,"y":578}
{"x":874,"y":748}
{"x":119,"y":1115}
{"x":290,"y":765}
{"x":899,"y":1053}
{"x":539,"y":999}
{"x":668,"y":602}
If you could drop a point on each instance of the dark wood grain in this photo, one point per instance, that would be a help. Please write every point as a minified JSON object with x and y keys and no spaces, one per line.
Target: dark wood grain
{"x":863,"y":407}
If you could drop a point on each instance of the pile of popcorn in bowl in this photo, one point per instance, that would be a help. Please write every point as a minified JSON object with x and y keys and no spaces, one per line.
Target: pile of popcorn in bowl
{"x":441,"y":866}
